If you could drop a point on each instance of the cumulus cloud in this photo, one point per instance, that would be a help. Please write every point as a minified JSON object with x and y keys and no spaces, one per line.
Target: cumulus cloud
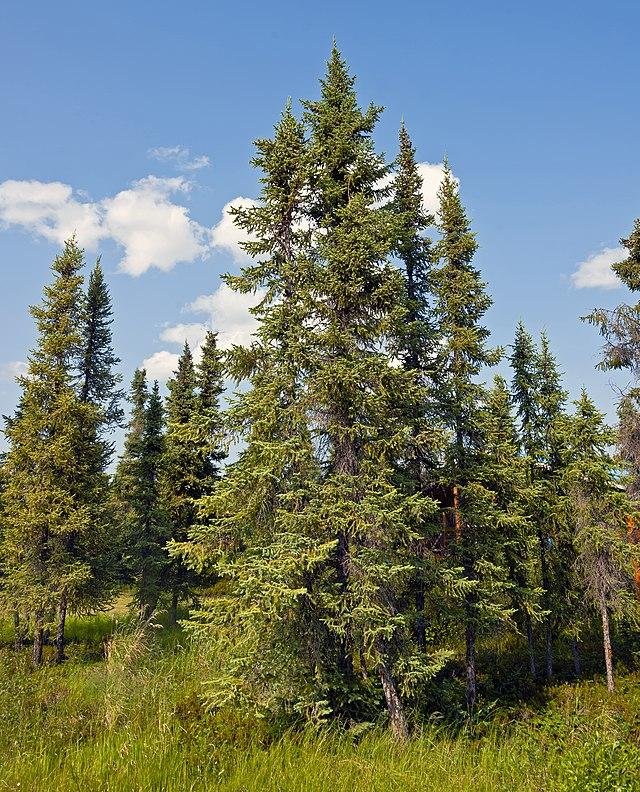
{"x":181,"y":157}
{"x":15,"y":368}
{"x":228,"y":312}
{"x":226,"y":233}
{"x":154,"y":231}
{"x":146,"y":220}
{"x":595,"y":271}
{"x":225,"y":311}
{"x":50,"y":210}
{"x":161,"y":365}
{"x":431,"y":174}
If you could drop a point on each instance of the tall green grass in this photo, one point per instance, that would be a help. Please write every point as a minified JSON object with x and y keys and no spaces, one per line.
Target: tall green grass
{"x":136,"y":721}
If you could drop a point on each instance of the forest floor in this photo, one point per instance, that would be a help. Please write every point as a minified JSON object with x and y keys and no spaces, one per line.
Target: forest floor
{"x":135,"y":720}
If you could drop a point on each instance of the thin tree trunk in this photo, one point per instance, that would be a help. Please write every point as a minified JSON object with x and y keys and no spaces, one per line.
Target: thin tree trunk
{"x":38,"y":642}
{"x":544,"y":574}
{"x":606,"y":640}
{"x":421,"y":627}
{"x":472,"y":686}
{"x":60,"y":628}
{"x":456,"y":513}
{"x":173,"y":611}
{"x":397,"y":717}
{"x":17,"y":631}
{"x":575,"y":653}
{"x":530,"y":646}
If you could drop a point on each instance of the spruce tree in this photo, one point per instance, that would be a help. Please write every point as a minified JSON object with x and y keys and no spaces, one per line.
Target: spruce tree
{"x":138,"y":497}
{"x":361,"y":401}
{"x":252,"y":532}
{"x":98,"y":380}
{"x":417,"y":340}
{"x":598,"y":509}
{"x":49,"y":497}
{"x":192,"y":451}
{"x":460,"y":304}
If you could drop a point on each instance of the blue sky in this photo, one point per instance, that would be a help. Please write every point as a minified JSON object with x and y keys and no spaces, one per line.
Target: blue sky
{"x":133,"y":122}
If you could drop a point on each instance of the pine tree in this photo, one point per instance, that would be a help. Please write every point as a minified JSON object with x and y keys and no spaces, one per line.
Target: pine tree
{"x":460,"y":303}
{"x":138,"y":498}
{"x":598,"y":508}
{"x":49,"y":497}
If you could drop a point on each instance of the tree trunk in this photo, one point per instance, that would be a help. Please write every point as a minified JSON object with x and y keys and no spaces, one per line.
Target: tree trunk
{"x":18,"y":632}
{"x":397,"y":717}
{"x":544,"y":574}
{"x":606,"y":640}
{"x":38,"y":642}
{"x":575,"y":653}
{"x":173,"y":610}
{"x":472,"y":687}
{"x":60,"y":627}
{"x":530,"y":646}
{"x":421,"y":627}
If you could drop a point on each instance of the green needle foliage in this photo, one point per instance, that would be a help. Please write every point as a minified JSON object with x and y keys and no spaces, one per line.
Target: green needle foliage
{"x":138,"y":497}
{"x":52,"y":499}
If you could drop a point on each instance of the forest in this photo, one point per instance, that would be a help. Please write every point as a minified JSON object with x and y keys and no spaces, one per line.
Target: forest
{"x":349,"y":550}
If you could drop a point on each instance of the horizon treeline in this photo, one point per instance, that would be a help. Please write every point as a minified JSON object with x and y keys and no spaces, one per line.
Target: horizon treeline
{"x":386,"y":510}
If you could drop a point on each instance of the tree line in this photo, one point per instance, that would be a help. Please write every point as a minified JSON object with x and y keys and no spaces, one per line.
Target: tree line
{"x":386,"y":509}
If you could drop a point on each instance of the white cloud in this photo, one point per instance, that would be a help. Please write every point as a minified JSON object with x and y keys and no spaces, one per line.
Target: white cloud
{"x":596,"y":273}
{"x":161,"y":365}
{"x":145,"y":220}
{"x":50,"y":210}
{"x":153,"y":231}
{"x":228,"y":314}
{"x":226,"y":233}
{"x":181,"y":157}
{"x":431,"y":174}
{"x":193,"y":333}
{"x":16,"y":368}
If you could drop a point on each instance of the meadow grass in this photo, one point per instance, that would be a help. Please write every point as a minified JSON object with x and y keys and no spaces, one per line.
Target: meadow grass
{"x":136,"y":721}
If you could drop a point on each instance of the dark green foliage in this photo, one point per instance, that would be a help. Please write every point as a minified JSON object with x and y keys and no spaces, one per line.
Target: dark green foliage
{"x":138,"y":498}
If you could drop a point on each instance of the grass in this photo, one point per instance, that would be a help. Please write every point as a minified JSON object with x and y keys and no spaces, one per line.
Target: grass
{"x":136,"y":722}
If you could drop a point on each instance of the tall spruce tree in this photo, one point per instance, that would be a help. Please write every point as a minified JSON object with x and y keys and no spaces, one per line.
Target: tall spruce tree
{"x":359,"y":399}
{"x":598,"y":509}
{"x":192,"y":453}
{"x":252,"y":531}
{"x":460,"y":304}
{"x":49,"y":497}
{"x":138,"y":497}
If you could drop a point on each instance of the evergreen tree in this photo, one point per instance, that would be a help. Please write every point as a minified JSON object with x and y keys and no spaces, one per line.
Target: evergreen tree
{"x":417,"y":339}
{"x":138,"y":497}
{"x":193,"y":451}
{"x":98,"y":381}
{"x":49,"y":497}
{"x":460,"y":303}
{"x":598,"y":510}
{"x":252,"y":532}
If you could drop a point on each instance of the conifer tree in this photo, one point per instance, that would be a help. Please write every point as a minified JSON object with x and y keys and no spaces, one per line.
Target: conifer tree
{"x":252,"y":532}
{"x":418,"y":334}
{"x":460,"y":303}
{"x":598,"y":508}
{"x":138,"y":497}
{"x":192,"y":451}
{"x":360,"y":399}
{"x":98,"y":381}
{"x":49,"y":497}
